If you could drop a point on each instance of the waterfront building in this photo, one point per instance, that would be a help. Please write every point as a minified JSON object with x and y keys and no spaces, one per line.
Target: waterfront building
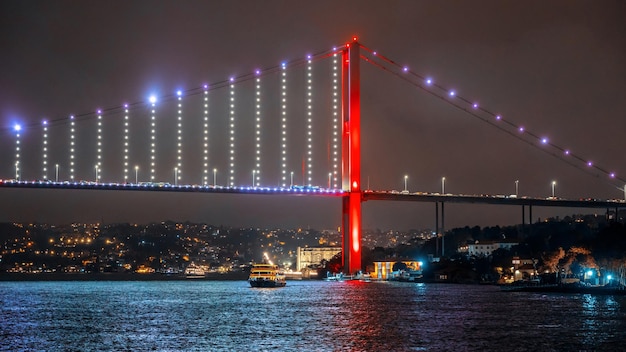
{"x":307,"y":256}
{"x":383,"y":270}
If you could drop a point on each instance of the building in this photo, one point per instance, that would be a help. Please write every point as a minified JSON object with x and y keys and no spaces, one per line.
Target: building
{"x":486,"y":248}
{"x":314,"y":255}
{"x":383,"y":270}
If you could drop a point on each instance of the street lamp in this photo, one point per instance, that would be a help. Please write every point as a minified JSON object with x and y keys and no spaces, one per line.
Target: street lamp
{"x":516,"y":188}
{"x":443,"y":185}
{"x":56,"y":173}
{"x":553,"y":184}
{"x":214,"y":177}
{"x":406,"y":178}
{"x":291,"y":184}
{"x":136,"y":174}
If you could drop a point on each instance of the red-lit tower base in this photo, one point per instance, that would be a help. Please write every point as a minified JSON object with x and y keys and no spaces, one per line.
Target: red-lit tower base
{"x":351,"y":158}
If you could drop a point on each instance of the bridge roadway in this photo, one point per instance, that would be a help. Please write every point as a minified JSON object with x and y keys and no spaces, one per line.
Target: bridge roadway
{"x":497,"y":199}
{"x":317,"y":191}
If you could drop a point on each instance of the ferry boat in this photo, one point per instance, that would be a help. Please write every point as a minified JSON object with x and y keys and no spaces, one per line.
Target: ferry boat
{"x":195,"y":272}
{"x":266,"y":275}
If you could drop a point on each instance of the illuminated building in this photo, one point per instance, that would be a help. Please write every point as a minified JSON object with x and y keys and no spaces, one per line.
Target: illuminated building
{"x":314,"y":255}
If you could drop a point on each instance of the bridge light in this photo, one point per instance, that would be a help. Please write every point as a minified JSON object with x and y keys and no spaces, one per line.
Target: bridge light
{"x":206,"y":136}
{"x":17,"y":129}
{"x":544,"y":140}
{"x":498,"y":117}
{"x":405,"y":69}
{"x":521,"y":129}
{"x":99,"y":145}
{"x":153,"y":99}
{"x":335,"y":120}
{"x":72,"y":148}
{"x":429,"y":81}
{"x":256,"y":179}
{"x":309,"y":126}
{"x":179,"y":156}
{"x":45,"y":150}
{"x":283,"y":128}
{"x":232,"y":133}
{"x":126,"y":142}
{"x":475,"y":105}
{"x":452,"y":93}
{"x":153,"y":140}
{"x":589,"y":163}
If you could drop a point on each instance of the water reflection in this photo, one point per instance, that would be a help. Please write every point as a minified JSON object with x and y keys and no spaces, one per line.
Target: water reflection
{"x":305,"y":315}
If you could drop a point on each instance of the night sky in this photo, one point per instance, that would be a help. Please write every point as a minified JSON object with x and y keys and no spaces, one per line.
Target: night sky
{"x":556,"y":67}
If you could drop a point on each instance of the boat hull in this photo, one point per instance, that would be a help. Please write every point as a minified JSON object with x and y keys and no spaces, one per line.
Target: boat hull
{"x":266,"y":283}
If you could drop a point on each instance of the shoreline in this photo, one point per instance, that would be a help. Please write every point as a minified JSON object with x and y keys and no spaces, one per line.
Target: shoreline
{"x":117,"y":277}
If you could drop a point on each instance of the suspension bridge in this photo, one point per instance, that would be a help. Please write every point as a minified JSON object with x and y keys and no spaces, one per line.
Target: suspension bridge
{"x":271,"y":132}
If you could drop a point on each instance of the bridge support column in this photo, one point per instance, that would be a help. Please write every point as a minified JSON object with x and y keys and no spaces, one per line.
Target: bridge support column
{"x":530,"y":220}
{"x":351,"y":158}
{"x":437,"y":228}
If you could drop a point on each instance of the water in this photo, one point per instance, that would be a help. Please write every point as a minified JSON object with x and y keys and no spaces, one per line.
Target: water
{"x":304,"y":316}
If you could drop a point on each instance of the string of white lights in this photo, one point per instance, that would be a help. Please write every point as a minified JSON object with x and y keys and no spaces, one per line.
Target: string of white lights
{"x":309,"y":113}
{"x":257,"y":172}
{"x":232,"y":133}
{"x":283,"y":128}
{"x":17,"y":128}
{"x":205,"y":178}
{"x":126,"y":141}
{"x":99,"y":148}
{"x":179,"y":164}
{"x":335,"y":112}
{"x":153,"y":139}
{"x":45,"y":150}
{"x":72,"y":131}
